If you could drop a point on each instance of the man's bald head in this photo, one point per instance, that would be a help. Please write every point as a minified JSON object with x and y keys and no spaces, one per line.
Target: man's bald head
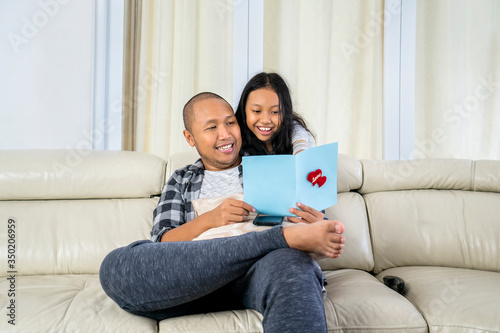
{"x":187,"y":112}
{"x":212,"y":128}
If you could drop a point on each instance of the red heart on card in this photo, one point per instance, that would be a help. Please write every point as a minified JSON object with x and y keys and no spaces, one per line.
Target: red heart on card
{"x":316,"y":177}
{"x":321,"y":181}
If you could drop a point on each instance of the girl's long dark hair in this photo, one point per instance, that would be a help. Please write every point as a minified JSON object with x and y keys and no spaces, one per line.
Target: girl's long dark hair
{"x":282,"y":140}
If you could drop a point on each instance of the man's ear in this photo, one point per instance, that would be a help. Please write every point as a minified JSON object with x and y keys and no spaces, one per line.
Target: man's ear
{"x":189,"y":137}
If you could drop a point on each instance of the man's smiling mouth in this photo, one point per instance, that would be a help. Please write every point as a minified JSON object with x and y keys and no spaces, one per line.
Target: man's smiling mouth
{"x":225,"y":148}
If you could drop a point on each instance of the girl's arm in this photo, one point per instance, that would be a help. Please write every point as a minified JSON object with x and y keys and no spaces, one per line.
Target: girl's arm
{"x":301,"y":139}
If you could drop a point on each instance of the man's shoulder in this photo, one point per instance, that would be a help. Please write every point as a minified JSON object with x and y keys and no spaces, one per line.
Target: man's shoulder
{"x":187,"y":172}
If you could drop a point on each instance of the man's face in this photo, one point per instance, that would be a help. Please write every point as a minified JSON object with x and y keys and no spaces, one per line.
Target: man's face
{"x":215,"y":134}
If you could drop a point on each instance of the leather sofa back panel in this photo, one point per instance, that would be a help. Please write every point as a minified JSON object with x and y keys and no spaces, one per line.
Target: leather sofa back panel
{"x":349,"y":172}
{"x":444,"y":174}
{"x":487,"y":176}
{"x":351,"y":211}
{"x":179,"y":160}
{"x":73,"y":236}
{"x":79,"y":174}
{"x":435,"y":228}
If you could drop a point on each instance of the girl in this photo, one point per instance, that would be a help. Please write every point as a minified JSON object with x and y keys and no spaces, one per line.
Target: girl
{"x":267,"y":121}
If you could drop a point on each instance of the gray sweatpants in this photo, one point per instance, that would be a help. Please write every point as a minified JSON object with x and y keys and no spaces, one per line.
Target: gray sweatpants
{"x":253,"y":271}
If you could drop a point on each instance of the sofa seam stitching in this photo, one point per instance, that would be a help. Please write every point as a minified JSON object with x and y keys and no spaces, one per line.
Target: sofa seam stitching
{"x":378,"y":328}
{"x":473,"y":176}
{"x":459,"y":326}
{"x":370,"y":229}
{"x":365,"y":216}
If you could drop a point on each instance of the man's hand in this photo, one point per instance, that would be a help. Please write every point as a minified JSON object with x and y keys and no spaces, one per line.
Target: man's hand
{"x":306,"y":214}
{"x":228,"y":212}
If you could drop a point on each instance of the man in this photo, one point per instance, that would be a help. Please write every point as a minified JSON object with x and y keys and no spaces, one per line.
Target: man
{"x":270,"y":271}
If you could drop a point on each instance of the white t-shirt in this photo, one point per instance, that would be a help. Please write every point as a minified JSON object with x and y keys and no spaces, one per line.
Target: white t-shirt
{"x":219,"y":183}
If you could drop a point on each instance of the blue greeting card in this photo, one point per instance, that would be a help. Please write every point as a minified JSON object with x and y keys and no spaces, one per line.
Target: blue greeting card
{"x":275,"y":183}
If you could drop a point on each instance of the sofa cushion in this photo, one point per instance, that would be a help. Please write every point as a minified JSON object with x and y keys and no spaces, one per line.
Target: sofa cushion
{"x":351,"y":211}
{"x":435,"y":228}
{"x":244,"y":321}
{"x":453,"y":299}
{"x":75,"y":174}
{"x":435,"y":173}
{"x":438,"y":173}
{"x":67,"y":303}
{"x":349,"y":173}
{"x":357,"y":302}
{"x":354,"y":301}
{"x":73,"y":236}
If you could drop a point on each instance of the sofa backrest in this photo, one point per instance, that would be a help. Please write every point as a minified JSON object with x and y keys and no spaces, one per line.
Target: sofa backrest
{"x":70,"y":208}
{"x":433,"y":212}
{"x":350,"y":210}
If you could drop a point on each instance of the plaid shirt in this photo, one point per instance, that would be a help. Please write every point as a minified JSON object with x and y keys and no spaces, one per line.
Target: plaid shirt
{"x":174,"y":207}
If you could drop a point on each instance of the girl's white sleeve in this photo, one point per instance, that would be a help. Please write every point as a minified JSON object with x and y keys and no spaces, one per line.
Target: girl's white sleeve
{"x":301,"y":138}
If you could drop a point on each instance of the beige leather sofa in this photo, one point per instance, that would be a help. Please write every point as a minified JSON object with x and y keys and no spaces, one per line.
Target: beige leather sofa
{"x":433,"y":223}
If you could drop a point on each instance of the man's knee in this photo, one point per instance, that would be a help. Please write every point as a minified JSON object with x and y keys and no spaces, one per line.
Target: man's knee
{"x":291,"y":264}
{"x":112,"y":274}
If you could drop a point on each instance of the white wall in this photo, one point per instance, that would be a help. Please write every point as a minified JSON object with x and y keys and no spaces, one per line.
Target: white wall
{"x":46,"y":66}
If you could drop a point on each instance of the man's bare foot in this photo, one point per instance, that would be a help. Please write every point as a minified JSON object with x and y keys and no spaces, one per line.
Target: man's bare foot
{"x":322,"y":238}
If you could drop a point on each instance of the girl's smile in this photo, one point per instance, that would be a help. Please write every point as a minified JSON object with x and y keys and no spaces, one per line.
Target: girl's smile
{"x":265,"y":130}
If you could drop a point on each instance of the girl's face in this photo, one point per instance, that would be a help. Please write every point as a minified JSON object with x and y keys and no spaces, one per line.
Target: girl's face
{"x":262,"y":114}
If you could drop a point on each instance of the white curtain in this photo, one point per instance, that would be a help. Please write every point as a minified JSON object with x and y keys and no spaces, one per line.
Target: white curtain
{"x":457,"y":111}
{"x":174,"y":49}
{"x":330,"y":53}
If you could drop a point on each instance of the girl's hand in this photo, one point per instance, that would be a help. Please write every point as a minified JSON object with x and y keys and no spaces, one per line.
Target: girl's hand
{"x":306,"y":214}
